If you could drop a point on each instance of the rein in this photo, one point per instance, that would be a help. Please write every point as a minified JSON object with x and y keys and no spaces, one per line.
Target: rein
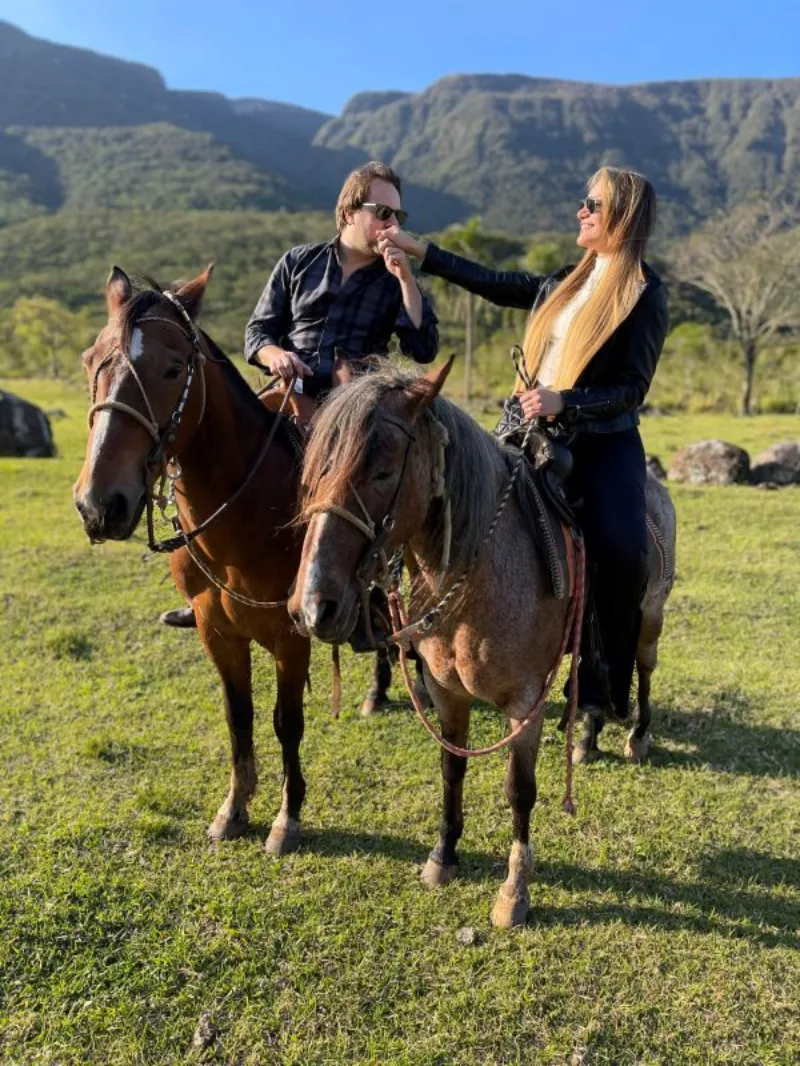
{"x":375,"y":564}
{"x":573,"y":627}
{"x":183,"y":537}
{"x":403,"y":631}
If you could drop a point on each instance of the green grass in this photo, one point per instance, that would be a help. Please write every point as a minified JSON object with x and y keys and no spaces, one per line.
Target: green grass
{"x":665,"y":917}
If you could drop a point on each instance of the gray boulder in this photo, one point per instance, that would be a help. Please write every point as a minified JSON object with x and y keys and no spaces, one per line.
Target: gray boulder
{"x":710,"y":462}
{"x":778,"y":465}
{"x":24,"y":429}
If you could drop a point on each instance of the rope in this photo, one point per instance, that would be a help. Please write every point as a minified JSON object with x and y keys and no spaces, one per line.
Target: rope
{"x":239,"y":597}
{"x":431,"y":616}
{"x":661,"y":548}
{"x":342,"y":512}
{"x":572,"y":628}
{"x":115,"y":405}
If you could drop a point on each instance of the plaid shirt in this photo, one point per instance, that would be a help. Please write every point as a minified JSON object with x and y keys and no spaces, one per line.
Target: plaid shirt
{"x":306,"y":309}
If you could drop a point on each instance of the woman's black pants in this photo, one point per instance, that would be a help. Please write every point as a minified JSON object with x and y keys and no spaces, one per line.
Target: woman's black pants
{"x":609,"y":478}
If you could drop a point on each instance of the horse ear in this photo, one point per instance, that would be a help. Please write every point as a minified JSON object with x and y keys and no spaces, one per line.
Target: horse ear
{"x":423,"y":390}
{"x":119,"y":290}
{"x":190,"y":293}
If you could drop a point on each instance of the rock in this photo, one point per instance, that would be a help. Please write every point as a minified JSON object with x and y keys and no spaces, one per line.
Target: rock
{"x":779,"y":465}
{"x":24,"y":429}
{"x":468,"y":936}
{"x":710,"y":462}
{"x":205,"y":1034}
{"x":656,"y":467}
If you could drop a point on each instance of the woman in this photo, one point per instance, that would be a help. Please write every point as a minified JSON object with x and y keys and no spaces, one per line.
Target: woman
{"x":591,"y":346}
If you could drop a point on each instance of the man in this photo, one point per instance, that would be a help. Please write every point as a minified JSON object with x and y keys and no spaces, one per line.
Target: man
{"x":344,"y":296}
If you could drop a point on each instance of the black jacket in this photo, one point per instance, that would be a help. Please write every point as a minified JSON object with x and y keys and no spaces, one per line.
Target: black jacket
{"x":607,"y":396}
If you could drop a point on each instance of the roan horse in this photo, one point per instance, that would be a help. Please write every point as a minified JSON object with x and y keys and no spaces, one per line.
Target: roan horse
{"x":165,"y":397}
{"x":389,"y":445}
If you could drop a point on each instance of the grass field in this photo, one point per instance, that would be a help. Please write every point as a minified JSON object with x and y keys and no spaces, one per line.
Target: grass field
{"x":666,"y":914}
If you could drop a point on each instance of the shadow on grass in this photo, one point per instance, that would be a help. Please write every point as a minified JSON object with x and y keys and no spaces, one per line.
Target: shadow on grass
{"x":709,"y":905}
{"x":724,"y":739}
{"x":724,"y":900}
{"x":720,"y":733}
{"x":342,"y":843}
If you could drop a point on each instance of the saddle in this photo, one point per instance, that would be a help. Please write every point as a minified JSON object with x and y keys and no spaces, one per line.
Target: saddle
{"x":549,"y":465}
{"x":299,"y":407}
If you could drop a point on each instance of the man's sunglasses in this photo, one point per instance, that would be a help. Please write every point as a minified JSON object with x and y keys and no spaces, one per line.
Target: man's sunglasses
{"x":592,"y":204}
{"x":383,"y":213}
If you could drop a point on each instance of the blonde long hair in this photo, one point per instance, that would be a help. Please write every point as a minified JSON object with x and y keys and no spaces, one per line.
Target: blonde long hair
{"x":629,"y":204}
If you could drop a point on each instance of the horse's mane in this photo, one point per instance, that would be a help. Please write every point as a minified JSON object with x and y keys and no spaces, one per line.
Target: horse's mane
{"x":349,"y":433}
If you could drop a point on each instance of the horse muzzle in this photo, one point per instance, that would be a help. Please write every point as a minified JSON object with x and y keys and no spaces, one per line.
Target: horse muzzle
{"x":331,"y":620}
{"x":108,"y":517}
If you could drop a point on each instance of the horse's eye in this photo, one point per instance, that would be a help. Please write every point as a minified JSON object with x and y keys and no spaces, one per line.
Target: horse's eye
{"x":384,"y":475}
{"x":174,"y":372}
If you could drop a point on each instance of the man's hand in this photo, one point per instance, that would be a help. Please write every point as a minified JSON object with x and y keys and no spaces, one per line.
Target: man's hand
{"x":398,"y":238}
{"x":397,"y":263}
{"x":284,"y":364}
{"x":541,"y":403}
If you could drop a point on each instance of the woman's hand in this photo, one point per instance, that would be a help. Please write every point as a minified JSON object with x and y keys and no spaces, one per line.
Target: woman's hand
{"x":394,"y":236}
{"x":541,"y":403}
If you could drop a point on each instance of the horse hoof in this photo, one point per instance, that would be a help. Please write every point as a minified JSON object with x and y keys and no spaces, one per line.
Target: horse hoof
{"x":636,"y":748}
{"x":372,"y":704}
{"x":436,"y":876}
{"x":581,"y":754}
{"x":510,"y":913}
{"x":282,"y":841}
{"x":228,"y":827}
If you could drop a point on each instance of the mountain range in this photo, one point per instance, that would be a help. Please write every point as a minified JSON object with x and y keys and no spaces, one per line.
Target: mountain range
{"x":81,"y":132}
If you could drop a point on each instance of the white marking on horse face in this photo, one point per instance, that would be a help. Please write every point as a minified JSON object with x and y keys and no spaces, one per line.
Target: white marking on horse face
{"x":314,"y":574}
{"x":102,"y":419}
{"x":100,"y":425}
{"x":136,"y":350}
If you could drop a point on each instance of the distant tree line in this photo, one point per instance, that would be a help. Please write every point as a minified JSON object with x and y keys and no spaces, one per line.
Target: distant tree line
{"x":734,"y":310}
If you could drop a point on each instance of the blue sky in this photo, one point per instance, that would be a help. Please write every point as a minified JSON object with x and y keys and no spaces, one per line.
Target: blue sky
{"x":319,"y":54}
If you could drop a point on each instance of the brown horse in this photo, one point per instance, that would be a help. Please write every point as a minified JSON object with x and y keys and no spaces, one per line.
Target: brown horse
{"x":165,"y":398}
{"x":391,"y":446}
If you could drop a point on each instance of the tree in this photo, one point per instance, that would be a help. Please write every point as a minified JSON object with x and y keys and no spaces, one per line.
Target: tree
{"x":472,"y":241}
{"x":46,"y":339}
{"x":548,"y":253}
{"x":749,"y":262}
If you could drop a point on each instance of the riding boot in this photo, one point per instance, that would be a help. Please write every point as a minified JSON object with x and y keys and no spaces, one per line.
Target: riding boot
{"x":180,"y":618}
{"x":586,"y":749}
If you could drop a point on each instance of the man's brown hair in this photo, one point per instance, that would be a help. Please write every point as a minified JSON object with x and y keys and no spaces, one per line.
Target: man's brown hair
{"x":356,"y":188}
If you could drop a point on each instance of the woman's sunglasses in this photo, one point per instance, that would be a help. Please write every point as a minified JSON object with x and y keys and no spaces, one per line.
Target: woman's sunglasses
{"x":591,"y":203}
{"x":384,"y":213}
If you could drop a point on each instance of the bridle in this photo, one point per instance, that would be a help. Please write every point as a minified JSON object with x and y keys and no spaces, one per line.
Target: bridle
{"x":165,"y":436}
{"x":159,"y":460}
{"x":374,"y":565}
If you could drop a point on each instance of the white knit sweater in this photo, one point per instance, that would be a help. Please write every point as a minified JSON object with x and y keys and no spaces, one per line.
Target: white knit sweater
{"x":551,"y":364}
